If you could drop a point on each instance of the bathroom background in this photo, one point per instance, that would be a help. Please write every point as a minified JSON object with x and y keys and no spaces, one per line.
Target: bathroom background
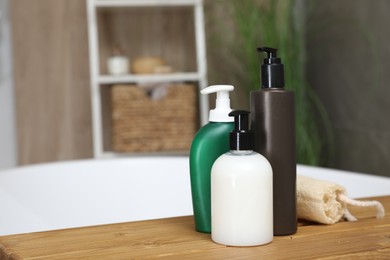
{"x":340,"y":47}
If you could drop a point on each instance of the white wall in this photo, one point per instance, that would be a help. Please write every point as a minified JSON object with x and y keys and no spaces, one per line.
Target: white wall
{"x":8,"y":145}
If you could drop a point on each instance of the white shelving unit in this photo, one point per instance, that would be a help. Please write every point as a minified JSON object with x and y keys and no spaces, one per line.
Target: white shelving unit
{"x":100,"y":80}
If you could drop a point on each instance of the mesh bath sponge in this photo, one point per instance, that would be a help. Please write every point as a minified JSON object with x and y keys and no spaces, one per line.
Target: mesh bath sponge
{"x":326,"y":202}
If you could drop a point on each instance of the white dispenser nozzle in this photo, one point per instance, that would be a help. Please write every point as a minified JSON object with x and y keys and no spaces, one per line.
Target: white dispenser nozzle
{"x":222,"y":103}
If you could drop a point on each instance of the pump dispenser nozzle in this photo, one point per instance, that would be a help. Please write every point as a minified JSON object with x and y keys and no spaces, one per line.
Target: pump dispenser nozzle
{"x":222,"y":103}
{"x":272,"y":70}
{"x":241,"y":138}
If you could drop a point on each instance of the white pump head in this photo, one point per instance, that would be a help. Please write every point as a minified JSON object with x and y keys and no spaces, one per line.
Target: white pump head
{"x":222,"y":103}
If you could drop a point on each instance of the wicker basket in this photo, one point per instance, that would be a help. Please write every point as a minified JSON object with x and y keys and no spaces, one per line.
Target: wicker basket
{"x":143,"y":124}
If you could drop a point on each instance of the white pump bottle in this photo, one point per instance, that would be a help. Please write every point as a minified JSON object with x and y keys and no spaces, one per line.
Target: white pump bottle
{"x":241,"y":191}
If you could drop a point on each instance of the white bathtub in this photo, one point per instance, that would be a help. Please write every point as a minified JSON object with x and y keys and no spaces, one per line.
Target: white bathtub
{"x":92,"y":192}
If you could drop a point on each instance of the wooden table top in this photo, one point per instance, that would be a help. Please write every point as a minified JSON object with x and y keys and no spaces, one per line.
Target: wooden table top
{"x":175,"y":238}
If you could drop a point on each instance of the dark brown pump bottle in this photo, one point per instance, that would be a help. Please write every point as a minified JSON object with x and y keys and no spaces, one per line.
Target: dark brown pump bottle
{"x":273,"y":123}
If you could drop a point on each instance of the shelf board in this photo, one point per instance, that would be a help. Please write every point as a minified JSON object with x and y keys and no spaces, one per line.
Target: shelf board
{"x":111,"y":154}
{"x":148,"y":78}
{"x":123,"y":3}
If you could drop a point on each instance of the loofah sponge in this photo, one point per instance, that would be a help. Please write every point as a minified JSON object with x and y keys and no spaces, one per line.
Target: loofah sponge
{"x":326,"y":202}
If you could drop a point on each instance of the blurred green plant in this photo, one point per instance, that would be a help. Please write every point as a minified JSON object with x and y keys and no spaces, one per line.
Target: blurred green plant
{"x":281,"y":24}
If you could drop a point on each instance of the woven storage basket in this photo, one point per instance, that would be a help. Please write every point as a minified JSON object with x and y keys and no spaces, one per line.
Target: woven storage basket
{"x":143,"y":124}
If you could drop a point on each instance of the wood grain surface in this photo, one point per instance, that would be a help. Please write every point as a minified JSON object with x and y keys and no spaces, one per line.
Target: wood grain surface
{"x":175,"y":238}
{"x":51,"y":75}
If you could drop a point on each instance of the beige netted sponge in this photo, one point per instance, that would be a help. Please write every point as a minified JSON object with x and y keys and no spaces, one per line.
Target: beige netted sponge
{"x":326,"y":202}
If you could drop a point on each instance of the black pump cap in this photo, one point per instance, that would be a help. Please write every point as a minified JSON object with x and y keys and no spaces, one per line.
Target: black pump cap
{"x":241,"y":138}
{"x":272,"y":70}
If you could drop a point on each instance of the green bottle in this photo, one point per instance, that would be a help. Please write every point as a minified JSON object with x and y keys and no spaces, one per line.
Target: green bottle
{"x":211,"y":141}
